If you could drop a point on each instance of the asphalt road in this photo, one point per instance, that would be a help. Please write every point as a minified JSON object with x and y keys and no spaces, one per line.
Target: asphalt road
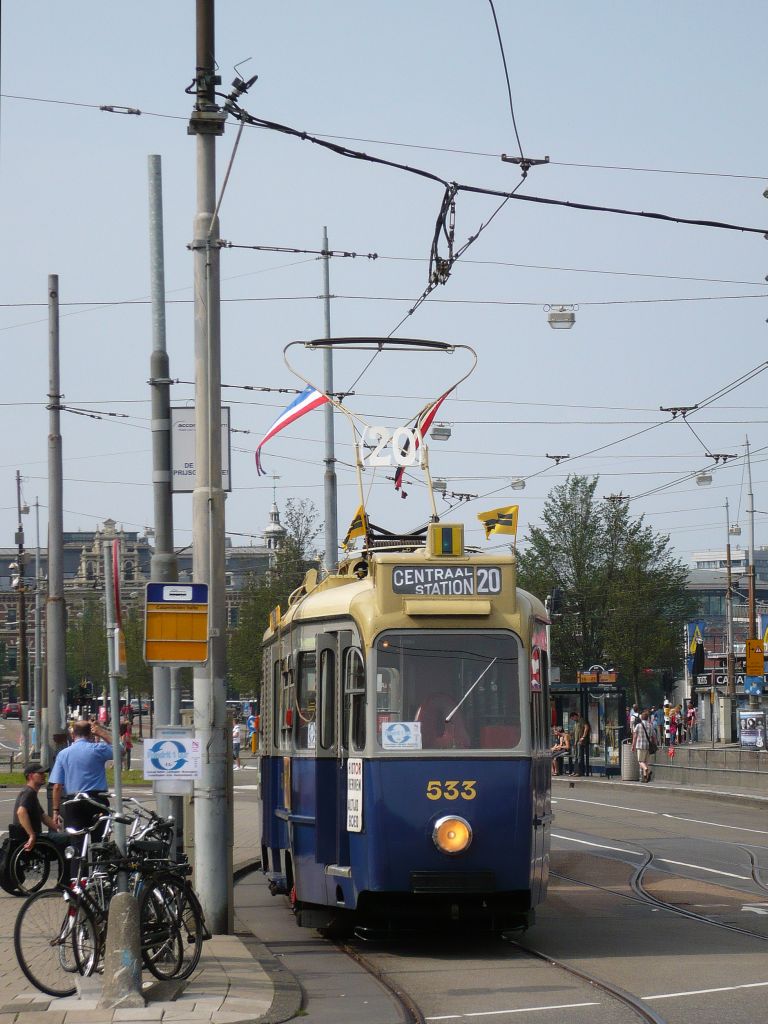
{"x":684,"y":970}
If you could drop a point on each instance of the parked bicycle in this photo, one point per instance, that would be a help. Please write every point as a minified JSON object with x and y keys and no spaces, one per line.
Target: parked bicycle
{"x":63,"y":932}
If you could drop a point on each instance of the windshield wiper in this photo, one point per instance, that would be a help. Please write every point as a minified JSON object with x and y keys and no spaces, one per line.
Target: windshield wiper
{"x":449,"y":716}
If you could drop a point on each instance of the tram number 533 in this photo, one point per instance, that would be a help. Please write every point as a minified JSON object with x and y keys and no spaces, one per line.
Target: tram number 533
{"x":451,"y":790}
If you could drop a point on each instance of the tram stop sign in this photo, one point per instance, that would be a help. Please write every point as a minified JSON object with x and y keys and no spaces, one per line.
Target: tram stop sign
{"x":176,"y":624}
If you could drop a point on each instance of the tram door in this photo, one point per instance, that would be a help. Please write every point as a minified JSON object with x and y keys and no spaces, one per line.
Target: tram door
{"x":332,"y":844}
{"x":540,"y":781}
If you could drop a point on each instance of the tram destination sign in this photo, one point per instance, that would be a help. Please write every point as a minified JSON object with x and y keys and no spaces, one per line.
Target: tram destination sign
{"x":446,"y":580}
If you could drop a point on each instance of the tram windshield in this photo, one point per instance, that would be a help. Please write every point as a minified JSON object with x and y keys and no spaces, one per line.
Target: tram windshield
{"x":447,"y":691}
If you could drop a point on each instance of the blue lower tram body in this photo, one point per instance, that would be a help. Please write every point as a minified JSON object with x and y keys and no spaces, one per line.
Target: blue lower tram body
{"x":391,"y":872}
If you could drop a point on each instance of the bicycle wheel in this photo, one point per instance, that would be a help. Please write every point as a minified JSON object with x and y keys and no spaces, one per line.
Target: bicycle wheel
{"x":31,"y":869}
{"x":87,"y":942}
{"x":182,"y":901}
{"x":43,"y":941}
{"x":161,"y":944}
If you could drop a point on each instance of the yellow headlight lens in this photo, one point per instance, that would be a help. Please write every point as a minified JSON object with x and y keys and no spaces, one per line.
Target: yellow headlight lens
{"x":452,"y":835}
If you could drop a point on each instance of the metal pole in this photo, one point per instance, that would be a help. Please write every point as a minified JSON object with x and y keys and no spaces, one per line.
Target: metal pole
{"x":38,"y":674}
{"x":163,"y":566}
{"x":55,"y":727}
{"x":21,"y":644}
{"x":754,"y":700}
{"x":330,"y":488}
{"x":213,"y":849}
{"x":114,"y":693}
{"x":730,"y":663}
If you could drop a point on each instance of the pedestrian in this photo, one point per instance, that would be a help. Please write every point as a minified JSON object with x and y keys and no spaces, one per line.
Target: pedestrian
{"x":691,"y":718}
{"x":580,"y":733}
{"x":674,"y":724}
{"x":236,"y":744}
{"x":641,"y":742}
{"x":81,"y":768}
{"x":28,"y":816}
{"x":658,"y":722}
{"x":126,"y":740}
{"x":560,"y":750}
{"x":634,"y":716}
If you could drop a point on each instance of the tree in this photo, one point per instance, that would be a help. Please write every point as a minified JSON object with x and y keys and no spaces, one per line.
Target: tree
{"x":625,"y":593}
{"x":260,"y":595}
{"x":86,"y":646}
{"x":139,"y":680}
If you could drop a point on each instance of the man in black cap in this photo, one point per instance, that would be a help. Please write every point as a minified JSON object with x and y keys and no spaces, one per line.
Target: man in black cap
{"x":28,"y":816}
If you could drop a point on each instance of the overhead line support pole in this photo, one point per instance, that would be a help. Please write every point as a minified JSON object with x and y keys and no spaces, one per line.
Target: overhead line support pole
{"x":21,"y":643}
{"x":213,"y":849}
{"x":55,"y":723}
{"x":330,"y":488}
{"x":163,"y":565}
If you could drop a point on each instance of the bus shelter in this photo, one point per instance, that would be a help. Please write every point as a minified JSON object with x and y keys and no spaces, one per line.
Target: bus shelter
{"x":603,"y":705}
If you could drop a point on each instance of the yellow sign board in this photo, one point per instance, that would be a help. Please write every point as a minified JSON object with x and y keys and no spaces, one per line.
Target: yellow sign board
{"x":176,"y":624}
{"x":755,"y":657}
{"x":609,"y":676}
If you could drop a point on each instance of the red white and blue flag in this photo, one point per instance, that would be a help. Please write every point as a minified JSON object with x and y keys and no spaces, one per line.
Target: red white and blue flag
{"x":423,"y":423}
{"x":309,"y":399}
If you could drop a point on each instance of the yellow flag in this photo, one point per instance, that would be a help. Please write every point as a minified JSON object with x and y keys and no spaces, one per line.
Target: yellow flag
{"x":357,"y":528}
{"x":499,"y":520}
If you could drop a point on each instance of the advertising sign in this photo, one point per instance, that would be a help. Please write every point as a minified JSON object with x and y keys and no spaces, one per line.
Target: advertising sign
{"x":752,"y":729}
{"x":172,"y":753}
{"x":183,"y":473}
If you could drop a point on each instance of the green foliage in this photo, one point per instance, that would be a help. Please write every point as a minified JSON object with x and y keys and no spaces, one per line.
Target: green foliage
{"x":86,"y":645}
{"x":625,"y":592}
{"x":139,"y":680}
{"x":262,"y":594}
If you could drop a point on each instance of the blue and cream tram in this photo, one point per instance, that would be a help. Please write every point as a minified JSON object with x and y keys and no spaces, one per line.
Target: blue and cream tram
{"x":405,"y":740}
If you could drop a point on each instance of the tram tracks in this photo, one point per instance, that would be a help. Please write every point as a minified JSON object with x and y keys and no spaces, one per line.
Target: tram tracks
{"x":409,"y":1008}
{"x":635,"y":1003}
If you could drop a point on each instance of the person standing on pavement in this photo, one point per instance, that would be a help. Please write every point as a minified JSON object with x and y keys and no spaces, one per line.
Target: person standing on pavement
{"x":28,"y":816}
{"x":236,"y":744}
{"x":126,"y":740}
{"x":82,"y":768}
{"x":580,"y":731}
{"x":641,"y":741}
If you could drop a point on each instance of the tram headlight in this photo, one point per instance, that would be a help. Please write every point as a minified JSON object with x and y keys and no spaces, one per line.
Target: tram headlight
{"x":452,"y":834}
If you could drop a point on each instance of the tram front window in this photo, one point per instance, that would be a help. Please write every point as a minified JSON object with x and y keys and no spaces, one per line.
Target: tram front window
{"x":447,"y":691}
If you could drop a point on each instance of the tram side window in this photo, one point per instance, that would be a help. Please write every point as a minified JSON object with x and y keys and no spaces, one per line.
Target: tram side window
{"x":306,"y":702}
{"x":354,"y":698}
{"x":285,"y":723}
{"x":276,"y":703}
{"x":327,"y":696}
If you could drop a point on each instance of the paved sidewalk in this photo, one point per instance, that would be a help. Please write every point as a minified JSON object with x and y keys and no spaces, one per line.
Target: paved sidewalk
{"x":229,"y":986}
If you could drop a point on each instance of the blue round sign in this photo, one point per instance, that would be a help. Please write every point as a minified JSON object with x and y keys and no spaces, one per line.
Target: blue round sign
{"x":251,"y":723}
{"x":168,"y":755}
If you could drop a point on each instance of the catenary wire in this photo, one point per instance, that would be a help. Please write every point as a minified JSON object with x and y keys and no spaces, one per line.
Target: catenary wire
{"x":108,"y":108}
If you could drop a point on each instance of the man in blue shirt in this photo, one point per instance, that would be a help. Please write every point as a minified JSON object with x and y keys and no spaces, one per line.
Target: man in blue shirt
{"x":81,"y":768}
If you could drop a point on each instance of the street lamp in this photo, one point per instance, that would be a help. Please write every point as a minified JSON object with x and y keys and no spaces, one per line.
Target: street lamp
{"x":518,"y":484}
{"x":561,"y":317}
{"x":440,"y":432}
{"x":703,"y":479}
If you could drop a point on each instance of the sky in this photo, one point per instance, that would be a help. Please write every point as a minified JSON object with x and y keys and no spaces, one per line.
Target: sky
{"x":653,"y":107}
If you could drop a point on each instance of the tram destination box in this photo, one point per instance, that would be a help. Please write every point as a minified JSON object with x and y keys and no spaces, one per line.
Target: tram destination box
{"x":446,"y":580}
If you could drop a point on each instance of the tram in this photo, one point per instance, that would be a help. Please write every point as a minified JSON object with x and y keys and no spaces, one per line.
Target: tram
{"x":404,"y":738}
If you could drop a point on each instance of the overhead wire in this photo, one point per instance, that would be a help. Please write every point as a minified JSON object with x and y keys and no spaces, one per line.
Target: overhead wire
{"x":110,"y":108}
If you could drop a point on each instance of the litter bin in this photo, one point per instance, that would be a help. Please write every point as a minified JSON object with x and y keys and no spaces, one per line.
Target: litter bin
{"x":630,"y":769}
